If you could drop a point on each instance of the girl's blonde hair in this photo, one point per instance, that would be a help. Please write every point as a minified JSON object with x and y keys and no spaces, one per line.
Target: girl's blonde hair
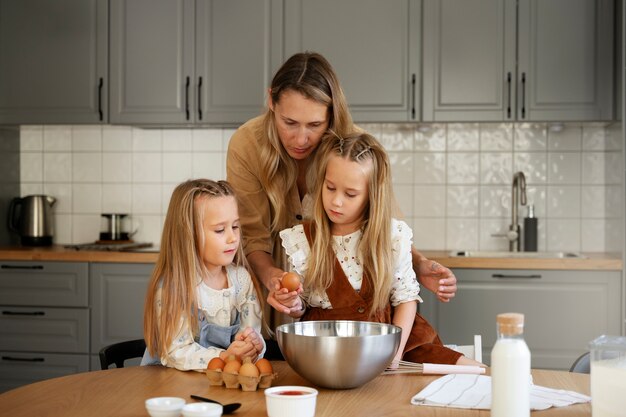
{"x":311,"y":75}
{"x":180,"y":263}
{"x":374,"y":251}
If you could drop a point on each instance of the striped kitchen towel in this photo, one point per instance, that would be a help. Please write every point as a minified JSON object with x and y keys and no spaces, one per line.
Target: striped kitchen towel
{"x":474,"y":391}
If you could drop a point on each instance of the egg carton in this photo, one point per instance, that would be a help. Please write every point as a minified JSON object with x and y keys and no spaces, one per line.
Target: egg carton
{"x":247,"y":383}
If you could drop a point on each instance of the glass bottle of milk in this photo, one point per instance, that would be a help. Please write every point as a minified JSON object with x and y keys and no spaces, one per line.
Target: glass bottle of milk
{"x":510,"y":369}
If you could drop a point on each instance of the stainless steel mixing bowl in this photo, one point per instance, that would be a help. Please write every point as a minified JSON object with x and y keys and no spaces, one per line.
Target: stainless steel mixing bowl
{"x":338,"y":353}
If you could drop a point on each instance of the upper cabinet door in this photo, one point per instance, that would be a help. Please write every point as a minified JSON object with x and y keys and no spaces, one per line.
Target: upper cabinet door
{"x":373,"y":45}
{"x":238,"y":47}
{"x":469,"y":60}
{"x":152,"y":78}
{"x":53,"y":61}
{"x":565,"y":60}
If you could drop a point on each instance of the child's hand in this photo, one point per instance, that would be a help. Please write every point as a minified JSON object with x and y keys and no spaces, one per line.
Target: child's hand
{"x":241,"y":349}
{"x":251,"y":336}
{"x":283,"y":300}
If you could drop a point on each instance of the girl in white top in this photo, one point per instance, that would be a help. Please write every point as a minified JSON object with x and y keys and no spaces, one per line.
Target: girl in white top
{"x":201,"y":302}
{"x":354,"y":257}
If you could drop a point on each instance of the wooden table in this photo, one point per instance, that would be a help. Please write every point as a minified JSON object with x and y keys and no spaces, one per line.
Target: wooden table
{"x":122,"y":392}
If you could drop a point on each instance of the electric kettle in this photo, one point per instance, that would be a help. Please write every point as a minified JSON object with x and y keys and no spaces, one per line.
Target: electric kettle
{"x":31,"y":218}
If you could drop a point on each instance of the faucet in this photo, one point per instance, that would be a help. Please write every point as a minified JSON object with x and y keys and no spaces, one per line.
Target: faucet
{"x":518,"y":189}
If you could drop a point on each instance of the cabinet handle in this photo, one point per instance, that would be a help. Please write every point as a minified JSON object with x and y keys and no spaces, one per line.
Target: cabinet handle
{"x":508,"y":108}
{"x":200,"y":98}
{"x":11,"y":358}
{"x":534,"y":276}
{"x":413,"y":96}
{"x":187,"y":98}
{"x":23,"y":313}
{"x":523,"y":95}
{"x":100,"y":99}
{"x":21,"y":267}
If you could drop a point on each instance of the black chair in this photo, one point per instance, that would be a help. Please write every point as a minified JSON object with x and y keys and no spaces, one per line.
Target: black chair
{"x":582,"y":364}
{"x":117,"y":353}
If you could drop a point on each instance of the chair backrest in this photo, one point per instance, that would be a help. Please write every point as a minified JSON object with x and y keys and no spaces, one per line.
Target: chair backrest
{"x":117,"y":353}
{"x":474,"y":351}
{"x":581,"y":365}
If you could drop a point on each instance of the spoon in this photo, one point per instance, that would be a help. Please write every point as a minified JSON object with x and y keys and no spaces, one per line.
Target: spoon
{"x":228,"y":408}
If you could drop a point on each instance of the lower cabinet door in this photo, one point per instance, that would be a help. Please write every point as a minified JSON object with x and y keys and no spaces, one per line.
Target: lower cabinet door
{"x":17,"y":369}
{"x":44,"y":329}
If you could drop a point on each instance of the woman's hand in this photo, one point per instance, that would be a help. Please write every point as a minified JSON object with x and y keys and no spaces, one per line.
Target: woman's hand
{"x":438,"y":279}
{"x":434,"y":276}
{"x":283,"y":300}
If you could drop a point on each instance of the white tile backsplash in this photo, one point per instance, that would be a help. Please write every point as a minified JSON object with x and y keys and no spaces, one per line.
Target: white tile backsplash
{"x":57,"y":167}
{"x":176,"y":166}
{"x":57,"y":138}
{"x":564,"y":168}
{"x":87,"y":167}
{"x":31,"y":138}
{"x":31,"y":167}
{"x":87,"y":138}
{"x":430,"y":138}
{"x":116,"y":167}
{"x":463,"y":137}
{"x":117,"y":138}
{"x":452,"y":181}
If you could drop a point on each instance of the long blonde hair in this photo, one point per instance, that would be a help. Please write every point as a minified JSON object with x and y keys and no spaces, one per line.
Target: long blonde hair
{"x":180,"y":263}
{"x":374,"y":249}
{"x":311,"y":75}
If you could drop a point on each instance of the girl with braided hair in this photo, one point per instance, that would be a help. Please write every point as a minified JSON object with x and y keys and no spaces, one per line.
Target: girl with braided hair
{"x":355,"y":258}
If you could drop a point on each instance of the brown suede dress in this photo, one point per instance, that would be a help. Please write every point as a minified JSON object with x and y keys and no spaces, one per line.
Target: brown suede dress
{"x":423,"y":345}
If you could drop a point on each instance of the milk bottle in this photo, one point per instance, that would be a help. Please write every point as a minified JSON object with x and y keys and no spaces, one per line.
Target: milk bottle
{"x":510,"y":369}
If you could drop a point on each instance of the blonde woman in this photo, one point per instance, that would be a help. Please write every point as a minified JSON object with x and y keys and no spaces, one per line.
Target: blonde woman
{"x":354,"y":256}
{"x":201,"y":302}
{"x":269,"y":158}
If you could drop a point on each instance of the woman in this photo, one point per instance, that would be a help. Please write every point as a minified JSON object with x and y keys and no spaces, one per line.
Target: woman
{"x":268,"y":158}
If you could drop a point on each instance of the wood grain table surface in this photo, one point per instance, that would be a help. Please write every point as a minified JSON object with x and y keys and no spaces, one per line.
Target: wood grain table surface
{"x":122,"y":392}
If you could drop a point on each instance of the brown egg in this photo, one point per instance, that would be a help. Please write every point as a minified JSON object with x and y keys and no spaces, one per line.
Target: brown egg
{"x":264,"y":366}
{"x":291,"y":281}
{"x":248,"y":369}
{"x":216,"y":363}
{"x":232,"y":367}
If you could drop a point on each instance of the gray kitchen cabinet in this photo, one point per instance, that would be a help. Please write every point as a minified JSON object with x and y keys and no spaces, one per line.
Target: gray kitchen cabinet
{"x":192,"y":61}
{"x":564,"y":310}
{"x":44,"y":321}
{"x":374,"y":46}
{"x":524,"y":60}
{"x":117,"y":293}
{"x":53,"y":61}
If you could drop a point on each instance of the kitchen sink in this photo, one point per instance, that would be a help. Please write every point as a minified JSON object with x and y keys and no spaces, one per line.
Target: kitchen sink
{"x":504,"y":254}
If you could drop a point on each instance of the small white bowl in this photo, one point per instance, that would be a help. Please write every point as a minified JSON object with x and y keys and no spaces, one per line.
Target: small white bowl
{"x":202,"y":410}
{"x":290,"y":400}
{"x":165,"y":406}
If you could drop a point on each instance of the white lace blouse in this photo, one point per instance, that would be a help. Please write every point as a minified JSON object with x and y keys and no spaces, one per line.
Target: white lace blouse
{"x":405,"y":286}
{"x":219,"y":307}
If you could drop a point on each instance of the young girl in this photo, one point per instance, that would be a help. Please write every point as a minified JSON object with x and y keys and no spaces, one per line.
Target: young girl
{"x":201,"y":302}
{"x":354,"y":257}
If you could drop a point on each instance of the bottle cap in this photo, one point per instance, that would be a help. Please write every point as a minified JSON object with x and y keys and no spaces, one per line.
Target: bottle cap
{"x":531,"y":211}
{"x":510,"y":323}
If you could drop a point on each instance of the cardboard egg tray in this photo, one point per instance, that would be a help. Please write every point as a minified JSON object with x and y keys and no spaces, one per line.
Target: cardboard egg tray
{"x":247,"y":383}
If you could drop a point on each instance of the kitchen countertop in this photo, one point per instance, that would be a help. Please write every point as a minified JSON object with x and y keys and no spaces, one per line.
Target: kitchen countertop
{"x":593,"y":261}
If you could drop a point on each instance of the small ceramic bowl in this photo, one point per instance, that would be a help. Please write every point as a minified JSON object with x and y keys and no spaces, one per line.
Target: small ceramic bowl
{"x":202,"y":410}
{"x":290,"y":400}
{"x":165,"y":406}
